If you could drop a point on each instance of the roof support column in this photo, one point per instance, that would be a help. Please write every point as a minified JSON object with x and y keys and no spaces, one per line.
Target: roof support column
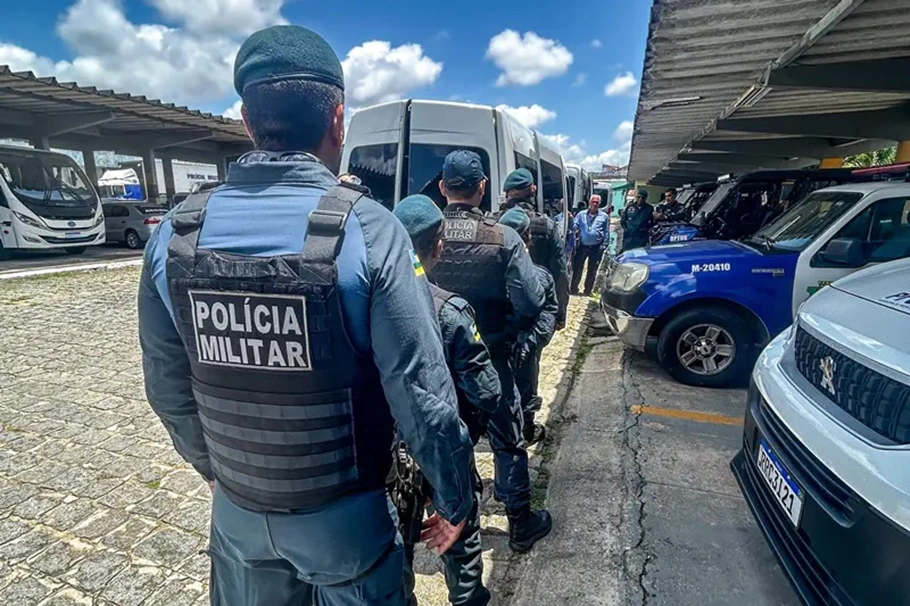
{"x":170,"y":189}
{"x":903,"y":152}
{"x":91,"y":168}
{"x":151,"y":176}
{"x":221,"y":166}
{"x":831,"y":163}
{"x":41,"y":143}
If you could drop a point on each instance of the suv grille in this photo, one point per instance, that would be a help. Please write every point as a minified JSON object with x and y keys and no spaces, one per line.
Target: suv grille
{"x":878,"y":402}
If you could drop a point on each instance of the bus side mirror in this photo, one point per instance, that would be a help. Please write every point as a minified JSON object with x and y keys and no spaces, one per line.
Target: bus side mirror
{"x":844,"y":251}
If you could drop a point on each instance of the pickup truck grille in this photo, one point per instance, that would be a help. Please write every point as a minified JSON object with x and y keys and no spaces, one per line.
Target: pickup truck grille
{"x":878,"y":402}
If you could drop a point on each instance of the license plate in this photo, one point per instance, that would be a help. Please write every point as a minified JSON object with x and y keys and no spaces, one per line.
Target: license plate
{"x":784,"y":489}
{"x":73,"y":234}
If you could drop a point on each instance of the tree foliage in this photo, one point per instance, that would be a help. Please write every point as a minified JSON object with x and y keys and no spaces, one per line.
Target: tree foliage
{"x":879,"y":157}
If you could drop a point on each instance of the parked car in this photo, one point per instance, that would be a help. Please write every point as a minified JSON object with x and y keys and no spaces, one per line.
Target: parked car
{"x":712,"y":305}
{"x":824,"y":460}
{"x":131,"y":223}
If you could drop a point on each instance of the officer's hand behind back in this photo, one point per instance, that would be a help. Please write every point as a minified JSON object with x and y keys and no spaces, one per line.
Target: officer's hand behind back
{"x":439,"y":535}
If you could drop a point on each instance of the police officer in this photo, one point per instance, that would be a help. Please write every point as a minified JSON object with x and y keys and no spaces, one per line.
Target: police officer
{"x":279,"y":353}
{"x":546,"y":247}
{"x":488,"y":265}
{"x":670,"y":209}
{"x":636,"y":220}
{"x":476,"y":384}
{"x":531,"y":342}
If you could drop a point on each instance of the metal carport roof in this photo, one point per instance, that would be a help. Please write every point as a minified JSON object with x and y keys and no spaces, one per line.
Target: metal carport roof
{"x":68,"y":116}
{"x":730,"y":86}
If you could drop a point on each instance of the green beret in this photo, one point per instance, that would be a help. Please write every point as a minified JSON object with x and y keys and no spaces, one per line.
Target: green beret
{"x":418,"y":213}
{"x":286,"y":52}
{"x":517,"y":219}
{"x":518,"y":179}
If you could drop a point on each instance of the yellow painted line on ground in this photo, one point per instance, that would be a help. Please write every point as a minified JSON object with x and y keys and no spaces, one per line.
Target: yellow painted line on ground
{"x":687,"y":415}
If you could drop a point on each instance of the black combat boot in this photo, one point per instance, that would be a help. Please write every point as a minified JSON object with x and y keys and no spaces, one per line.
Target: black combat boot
{"x":534,"y":433}
{"x":526,"y":528}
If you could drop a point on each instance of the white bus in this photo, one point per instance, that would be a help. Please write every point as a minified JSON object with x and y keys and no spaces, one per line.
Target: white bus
{"x":580,"y":187}
{"x":397,"y":149}
{"x":46,"y":202}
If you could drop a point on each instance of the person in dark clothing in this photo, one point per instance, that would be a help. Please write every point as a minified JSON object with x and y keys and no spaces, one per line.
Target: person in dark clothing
{"x":670,"y":210}
{"x":478,"y":390}
{"x":488,"y":265}
{"x":636,"y":220}
{"x":531,"y":342}
{"x":545,"y":246}
{"x":593,"y":236}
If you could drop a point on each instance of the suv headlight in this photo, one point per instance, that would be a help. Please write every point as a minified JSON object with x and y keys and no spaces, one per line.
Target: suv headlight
{"x":29,"y":221}
{"x":629,"y":276}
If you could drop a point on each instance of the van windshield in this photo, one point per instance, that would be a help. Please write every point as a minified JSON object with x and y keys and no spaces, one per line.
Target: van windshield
{"x":425,"y":171}
{"x":46,"y":180}
{"x":711,"y":204}
{"x":794,"y":230}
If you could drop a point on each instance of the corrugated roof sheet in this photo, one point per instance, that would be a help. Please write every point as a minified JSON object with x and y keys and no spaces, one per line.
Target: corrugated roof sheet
{"x":24,"y":91}
{"x":716,"y":50}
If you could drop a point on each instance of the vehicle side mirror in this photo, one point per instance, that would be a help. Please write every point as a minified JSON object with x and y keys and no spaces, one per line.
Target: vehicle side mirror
{"x":844,"y":251}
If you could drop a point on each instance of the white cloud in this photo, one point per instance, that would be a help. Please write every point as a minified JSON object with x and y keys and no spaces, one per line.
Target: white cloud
{"x":374,"y":72}
{"x":624,"y":131}
{"x":531,"y":117}
{"x":622,"y":84}
{"x":222,"y":16}
{"x":528,"y":59}
{"x":596,"y":44}
{"x":23,"y":60}
{"x":576,"y":153}
{"x":233,"y":111}
{"x":580,"y":80}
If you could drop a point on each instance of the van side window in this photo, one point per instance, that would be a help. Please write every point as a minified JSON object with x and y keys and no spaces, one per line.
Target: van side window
{"x":522,"y":161}
{"x":883,"y":229}
{"x":553,"y":186}
{"x":425,"y":171}
{"x":375,"y":165}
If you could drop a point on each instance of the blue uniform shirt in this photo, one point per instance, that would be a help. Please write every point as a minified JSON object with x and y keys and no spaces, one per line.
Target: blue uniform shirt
{"x":386,"y":306}
{"x":592,"y":231}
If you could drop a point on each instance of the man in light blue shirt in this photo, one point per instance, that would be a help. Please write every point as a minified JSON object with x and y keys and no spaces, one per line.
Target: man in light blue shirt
{"x":593,"y":234}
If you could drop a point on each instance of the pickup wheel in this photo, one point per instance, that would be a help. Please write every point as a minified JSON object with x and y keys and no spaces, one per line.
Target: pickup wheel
{"x":708,"y":347}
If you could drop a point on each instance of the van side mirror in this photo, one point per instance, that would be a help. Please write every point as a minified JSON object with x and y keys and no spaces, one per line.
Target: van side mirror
{"x":844,"y":251}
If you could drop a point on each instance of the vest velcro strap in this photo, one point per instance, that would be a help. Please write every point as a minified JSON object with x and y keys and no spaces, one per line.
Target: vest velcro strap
{"x":191,"y":213}
{"x":326,"y":222}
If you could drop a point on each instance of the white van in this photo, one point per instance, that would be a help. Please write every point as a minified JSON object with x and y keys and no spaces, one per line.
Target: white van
{"x":580,"y":186}
{"x":397,"y":149}
{"x":46,"y":201}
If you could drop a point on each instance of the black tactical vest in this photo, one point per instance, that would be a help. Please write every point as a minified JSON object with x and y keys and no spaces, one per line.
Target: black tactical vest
{"x":293,"y":417}
{"x":540,"y":246}
{"x":473,"y":265}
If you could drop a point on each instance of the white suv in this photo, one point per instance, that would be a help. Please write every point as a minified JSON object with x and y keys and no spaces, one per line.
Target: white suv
{"x":825,"y":463}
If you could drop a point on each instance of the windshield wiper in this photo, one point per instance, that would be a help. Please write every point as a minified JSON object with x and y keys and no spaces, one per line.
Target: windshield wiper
{"x":768,"y":241}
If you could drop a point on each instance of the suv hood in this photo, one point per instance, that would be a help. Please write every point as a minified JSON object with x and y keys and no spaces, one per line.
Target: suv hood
{"x":887,"y":284}
{"x":702,"y":251}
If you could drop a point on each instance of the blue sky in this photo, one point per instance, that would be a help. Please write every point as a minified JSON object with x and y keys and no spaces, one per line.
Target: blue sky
{"x":570,"y":69}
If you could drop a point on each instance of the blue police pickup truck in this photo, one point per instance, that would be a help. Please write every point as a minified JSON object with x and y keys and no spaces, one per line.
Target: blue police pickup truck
{"x":712,"y":305}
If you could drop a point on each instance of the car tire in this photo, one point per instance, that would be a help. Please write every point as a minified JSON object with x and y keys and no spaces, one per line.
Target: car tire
{"x":133,"y":240}
{"x":5,"y":253}
{"x":75,"y":250}
{"x":691,"y":340}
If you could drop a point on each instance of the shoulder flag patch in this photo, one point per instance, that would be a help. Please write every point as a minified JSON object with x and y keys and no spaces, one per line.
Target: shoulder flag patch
{"x":415,"y":262}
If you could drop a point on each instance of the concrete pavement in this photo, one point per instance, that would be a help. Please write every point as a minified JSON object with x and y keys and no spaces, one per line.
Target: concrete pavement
{"x":646,"y":509}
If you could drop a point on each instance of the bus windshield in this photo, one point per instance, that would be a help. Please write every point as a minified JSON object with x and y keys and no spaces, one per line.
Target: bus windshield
{"x":794,"y":230}
{"x":45,"y":179}
{"x":711,"y":204}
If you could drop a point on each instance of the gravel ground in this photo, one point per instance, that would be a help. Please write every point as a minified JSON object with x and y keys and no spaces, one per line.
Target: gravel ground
{"x":96,"y":508}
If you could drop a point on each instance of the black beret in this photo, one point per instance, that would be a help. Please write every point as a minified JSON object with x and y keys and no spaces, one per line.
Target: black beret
{"x":286,"y":52}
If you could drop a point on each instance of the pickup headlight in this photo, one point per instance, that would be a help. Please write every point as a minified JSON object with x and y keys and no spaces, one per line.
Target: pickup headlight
{"x":29,"y":221}
{"x":629,"y":276}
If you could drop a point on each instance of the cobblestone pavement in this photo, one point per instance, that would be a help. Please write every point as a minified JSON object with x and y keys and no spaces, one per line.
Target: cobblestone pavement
{"x":96,"y":508}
